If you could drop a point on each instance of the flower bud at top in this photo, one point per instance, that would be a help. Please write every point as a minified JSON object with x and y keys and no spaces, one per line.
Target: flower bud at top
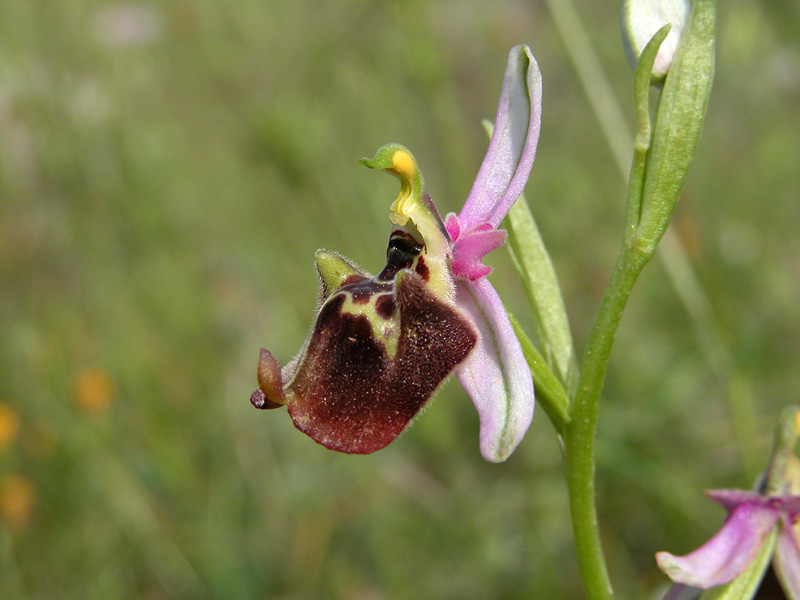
{"x":641,"y":19}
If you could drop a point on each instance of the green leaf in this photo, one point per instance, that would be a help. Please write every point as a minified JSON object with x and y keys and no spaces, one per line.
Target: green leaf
{"x":643,"y":78}
{"x":783,"y":476}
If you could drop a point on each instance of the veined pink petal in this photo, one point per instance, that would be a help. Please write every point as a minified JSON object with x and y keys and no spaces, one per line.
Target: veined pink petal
{"x":505,"y":169}
{"x":787,"y":561}
{"x":470,"y":248}
{"x":496,"y":374}
{"x":726,"y":554}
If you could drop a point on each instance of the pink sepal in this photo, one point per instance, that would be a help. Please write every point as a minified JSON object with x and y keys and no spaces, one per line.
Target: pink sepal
{"x":512,"y":149}
{"x":496,"y":374}
{"x":726,"y":554}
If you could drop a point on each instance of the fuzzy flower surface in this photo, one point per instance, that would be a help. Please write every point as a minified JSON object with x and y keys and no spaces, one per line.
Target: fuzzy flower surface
{"x":382,"y":345}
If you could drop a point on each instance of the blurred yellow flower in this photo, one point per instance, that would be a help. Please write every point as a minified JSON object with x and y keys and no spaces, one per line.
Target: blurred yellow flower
{"x":9,"y":425}
{"x":16,"y":500}
{"x":94,"y":390}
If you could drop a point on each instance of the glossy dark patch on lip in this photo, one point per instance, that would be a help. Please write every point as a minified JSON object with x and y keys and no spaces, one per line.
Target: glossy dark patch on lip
{"x":400,"y":254}
{"x":349,"y":396}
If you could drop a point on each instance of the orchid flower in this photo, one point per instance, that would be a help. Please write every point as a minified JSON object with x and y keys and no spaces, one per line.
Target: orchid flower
{"x":754,"y":520}
{"x":381,"y":345}
{"x":751,"y":522}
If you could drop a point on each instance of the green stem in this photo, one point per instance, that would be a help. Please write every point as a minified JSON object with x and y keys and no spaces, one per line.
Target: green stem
{"x":579,"y":438}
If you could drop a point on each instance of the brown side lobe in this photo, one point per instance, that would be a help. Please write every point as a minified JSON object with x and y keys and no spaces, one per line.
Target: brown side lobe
{"x":259,"y":400}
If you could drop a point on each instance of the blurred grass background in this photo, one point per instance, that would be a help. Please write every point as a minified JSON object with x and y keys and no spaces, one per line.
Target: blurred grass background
{"x":167,"y":170}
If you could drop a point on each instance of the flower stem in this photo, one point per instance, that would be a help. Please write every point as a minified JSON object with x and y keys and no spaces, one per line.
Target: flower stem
{"x":579,"y":437}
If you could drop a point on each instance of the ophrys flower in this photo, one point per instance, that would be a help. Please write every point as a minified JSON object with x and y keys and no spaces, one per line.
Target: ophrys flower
{"x":381,"y":345}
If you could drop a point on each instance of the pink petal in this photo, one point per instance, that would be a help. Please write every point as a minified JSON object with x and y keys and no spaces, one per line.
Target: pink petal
{"x":496,"y":374}
{"x":726,"y":554}
{"x":452,"y":226}
{"x":469,"y":249}
{"x":505,"y":169}
{"x":787,"y":561}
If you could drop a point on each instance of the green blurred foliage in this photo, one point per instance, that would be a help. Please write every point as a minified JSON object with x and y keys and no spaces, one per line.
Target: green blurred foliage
{"x":167,"y":170}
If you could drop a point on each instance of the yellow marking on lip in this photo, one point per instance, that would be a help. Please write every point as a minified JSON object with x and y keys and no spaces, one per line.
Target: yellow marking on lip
{"x":386,"y":331}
